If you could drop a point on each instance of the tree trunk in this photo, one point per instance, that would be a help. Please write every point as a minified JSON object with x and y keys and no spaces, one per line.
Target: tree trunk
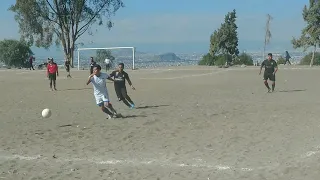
{"x":313,"y":53}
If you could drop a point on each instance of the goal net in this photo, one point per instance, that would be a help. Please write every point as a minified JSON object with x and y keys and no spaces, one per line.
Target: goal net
{"x":116,"y":55}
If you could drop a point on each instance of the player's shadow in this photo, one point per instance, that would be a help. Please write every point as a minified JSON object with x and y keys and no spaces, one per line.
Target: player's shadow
{"x":147,"y":107}
{"x":75,"y":89}
{"x":294,"y":90}
{"x":133,"y":116}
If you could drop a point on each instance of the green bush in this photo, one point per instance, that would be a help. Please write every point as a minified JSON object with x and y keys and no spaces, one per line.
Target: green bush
{"x":245,"y":59}
{"x":207,"y":60}
{"x":221,"y":59}
{"x":307,"y":59}
{"x":281,"y":60}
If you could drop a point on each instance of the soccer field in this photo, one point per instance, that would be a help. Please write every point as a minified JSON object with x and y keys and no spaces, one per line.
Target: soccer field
{"x":190,"y":123}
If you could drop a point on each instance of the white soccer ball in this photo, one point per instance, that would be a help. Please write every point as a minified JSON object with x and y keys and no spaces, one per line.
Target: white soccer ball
{"x":46,"y":113}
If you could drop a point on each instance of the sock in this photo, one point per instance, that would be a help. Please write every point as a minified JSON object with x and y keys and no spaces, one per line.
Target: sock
{"x":273,"y":86}
{"x":105,"y":110}
{"x":267,"y":85}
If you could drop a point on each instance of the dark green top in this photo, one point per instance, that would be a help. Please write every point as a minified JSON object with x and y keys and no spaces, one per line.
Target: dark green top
{"x":269,"y":66}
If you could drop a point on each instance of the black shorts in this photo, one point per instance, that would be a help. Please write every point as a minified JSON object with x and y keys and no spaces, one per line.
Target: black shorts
{"x":52,"y":76}
{"x":269,"y":76}
{"x":121,"y":92}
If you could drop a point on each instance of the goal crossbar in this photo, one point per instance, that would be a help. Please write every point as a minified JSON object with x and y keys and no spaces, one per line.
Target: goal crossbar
{"x":110,"y":48}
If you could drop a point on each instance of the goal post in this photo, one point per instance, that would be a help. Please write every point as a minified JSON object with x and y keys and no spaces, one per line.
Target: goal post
{"x":108,"y":48}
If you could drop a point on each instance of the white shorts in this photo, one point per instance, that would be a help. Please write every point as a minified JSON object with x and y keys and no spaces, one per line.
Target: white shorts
{"x":101,"y":98}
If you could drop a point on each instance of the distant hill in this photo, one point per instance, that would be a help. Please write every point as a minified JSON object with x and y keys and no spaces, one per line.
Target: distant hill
{"x":167,"y":57}
{"x":125,"y":52}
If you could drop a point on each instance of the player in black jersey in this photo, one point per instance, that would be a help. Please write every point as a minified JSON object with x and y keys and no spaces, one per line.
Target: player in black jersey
{"x":271,"y":68}
{"x":120,"y":77}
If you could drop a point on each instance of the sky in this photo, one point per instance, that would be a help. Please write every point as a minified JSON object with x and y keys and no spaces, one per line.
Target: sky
{"x":184,"y":26}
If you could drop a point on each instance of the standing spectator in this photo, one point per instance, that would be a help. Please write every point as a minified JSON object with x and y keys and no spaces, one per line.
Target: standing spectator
{"x":67,"y":66}
{"x":31,"y":59}
{"x":92,"y":64}
{"x":108,"y":64}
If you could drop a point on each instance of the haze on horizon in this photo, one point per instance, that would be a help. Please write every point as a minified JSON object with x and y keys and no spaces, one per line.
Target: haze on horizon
{"x":171,"y":26}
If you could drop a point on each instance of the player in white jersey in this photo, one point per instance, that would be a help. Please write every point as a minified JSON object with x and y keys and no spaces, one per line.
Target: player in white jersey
{"x":100,"y":91}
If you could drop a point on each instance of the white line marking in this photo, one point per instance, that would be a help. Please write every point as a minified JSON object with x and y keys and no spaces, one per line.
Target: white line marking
{"x":167,"y":163}
{"x":125,"y":162}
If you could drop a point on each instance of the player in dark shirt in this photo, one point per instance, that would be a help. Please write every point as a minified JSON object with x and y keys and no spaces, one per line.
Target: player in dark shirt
{"x":271,"y":68}
{"x":92,"y":64}
{"x":120,"y":78}
{"x":67,"y":66}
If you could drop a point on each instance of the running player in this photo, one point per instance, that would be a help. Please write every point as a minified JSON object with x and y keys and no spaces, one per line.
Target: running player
{"x":120,"y":77}
{"x":52,"y":73}
{"x":98,"y":80}
{"x":270,"y":71}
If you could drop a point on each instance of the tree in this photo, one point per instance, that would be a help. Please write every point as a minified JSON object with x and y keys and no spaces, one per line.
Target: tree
{"x":307,"y":59}
{"x":14,"y":53}
{"x":42,"y":22}
{"x":310,"y":35}
{"x":225,"y":39}
{"x":267,"y":35}
{"x":102,"y":54}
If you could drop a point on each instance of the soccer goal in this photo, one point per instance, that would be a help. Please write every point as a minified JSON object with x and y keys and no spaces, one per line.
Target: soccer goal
{"x":120,"y":56}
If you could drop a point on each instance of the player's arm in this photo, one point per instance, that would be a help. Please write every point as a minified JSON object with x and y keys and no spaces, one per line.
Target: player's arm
{"x":262,"y":65}
{"x":129,"y":81}
{"x":89,"y":79}
{"x":275,"y":68}
{"x":110,"y":78}
{"x":47,"y":70}
{"x":112,"y":74}
{"x":57,"y":70}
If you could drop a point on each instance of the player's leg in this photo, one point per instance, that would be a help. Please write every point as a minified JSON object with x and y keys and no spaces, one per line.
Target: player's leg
{"x":112,"y":110}
{"x":265,"y":80}
{"x":107,"y":104}
{"x":124,"y":94}
{"x":273,"y":80}
{"x":120,"y":97}
{"x":50,"y":80}
{"x":54,"y":81}
{"x":100,"y":103}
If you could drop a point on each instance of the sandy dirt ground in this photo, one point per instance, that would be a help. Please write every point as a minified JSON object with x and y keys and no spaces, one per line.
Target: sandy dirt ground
{"x":190,"y":123}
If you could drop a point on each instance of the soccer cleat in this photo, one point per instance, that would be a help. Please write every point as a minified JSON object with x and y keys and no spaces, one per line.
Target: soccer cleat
{"x":108,"y":116}
{"x":269,"y":90}
{"x":132,"y":106}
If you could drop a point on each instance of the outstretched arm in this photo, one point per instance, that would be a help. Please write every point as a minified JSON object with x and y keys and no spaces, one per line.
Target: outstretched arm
{"x":129,"y":81}
{"x":275,"y":68}
{"x":110,"y":78}
{"x":262,"y":65}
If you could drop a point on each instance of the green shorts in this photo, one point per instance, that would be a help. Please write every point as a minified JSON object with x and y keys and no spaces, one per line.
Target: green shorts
{"x":269,"y":76}
{"x":52,"y":76}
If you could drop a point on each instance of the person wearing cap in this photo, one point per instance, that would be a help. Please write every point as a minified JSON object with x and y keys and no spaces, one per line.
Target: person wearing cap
{"x":52,"y":73}
{"x":271,"y":68}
